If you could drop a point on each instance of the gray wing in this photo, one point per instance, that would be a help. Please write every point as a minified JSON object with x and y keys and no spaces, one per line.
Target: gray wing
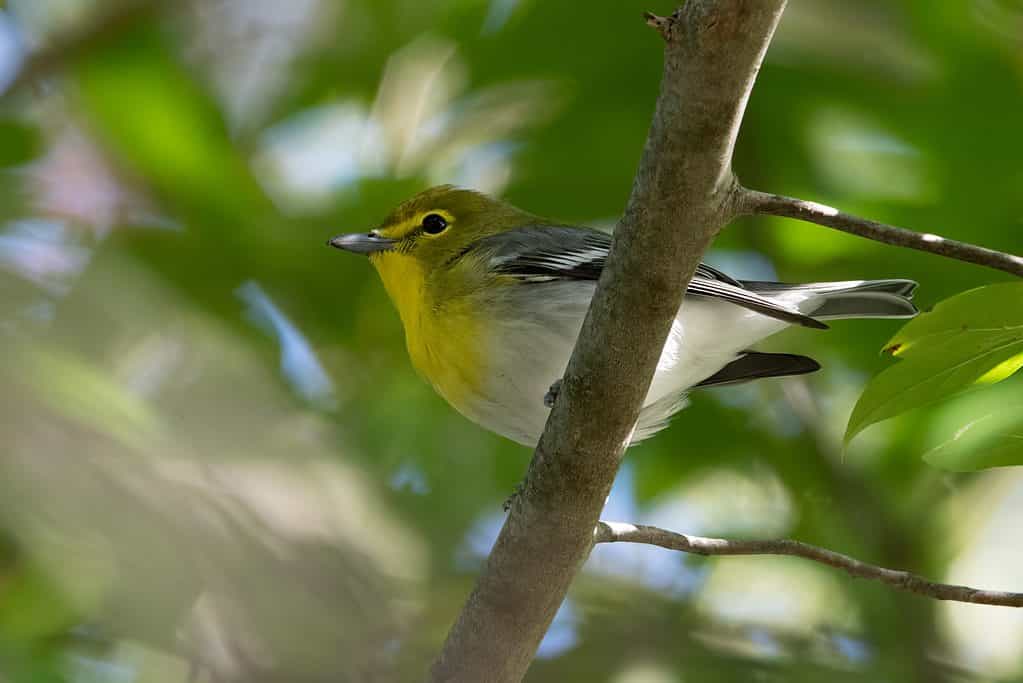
{"x":547,"y":253}
{"x":543,"y":254}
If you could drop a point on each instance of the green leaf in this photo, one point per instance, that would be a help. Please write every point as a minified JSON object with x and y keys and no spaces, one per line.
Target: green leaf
{"x":992,"y":440}
{"x":972,"y":339}
{"x":980,"y":311}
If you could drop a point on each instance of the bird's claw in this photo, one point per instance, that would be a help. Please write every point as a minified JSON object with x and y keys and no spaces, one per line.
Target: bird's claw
{"x":552,"y":394}
{"x":510,"y":500}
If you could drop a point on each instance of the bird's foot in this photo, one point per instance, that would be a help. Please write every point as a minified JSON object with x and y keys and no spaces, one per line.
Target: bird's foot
{"x":510,"y":500}
{"x":552,"y":394}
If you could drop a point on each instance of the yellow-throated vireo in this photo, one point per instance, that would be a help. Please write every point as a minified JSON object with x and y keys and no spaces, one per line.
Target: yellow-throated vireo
{"x":492,"y":299}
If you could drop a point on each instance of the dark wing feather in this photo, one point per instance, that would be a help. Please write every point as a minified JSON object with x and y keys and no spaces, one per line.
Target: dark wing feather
{"x":755,"y":365}
{"x":699,"y":286}
{"x":547,"y":253}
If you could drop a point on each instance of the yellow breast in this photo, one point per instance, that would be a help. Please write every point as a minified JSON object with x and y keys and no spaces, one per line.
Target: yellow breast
{"x":442,"y":337}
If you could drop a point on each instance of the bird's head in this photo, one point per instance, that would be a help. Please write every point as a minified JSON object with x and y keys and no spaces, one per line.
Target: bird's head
{"x":433,"y":228}
{"x":423,"y":250}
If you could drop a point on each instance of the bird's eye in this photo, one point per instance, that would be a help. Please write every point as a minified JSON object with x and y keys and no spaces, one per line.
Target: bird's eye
{"x":434,"y":224}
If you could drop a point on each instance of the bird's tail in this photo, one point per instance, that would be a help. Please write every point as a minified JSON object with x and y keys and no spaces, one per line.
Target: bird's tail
{"x":849,"y":299}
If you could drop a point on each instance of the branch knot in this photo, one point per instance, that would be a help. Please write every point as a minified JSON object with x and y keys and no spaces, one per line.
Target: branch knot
{"x":665,"y":26}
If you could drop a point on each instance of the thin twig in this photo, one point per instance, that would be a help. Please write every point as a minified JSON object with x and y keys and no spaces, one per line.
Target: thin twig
{"x":618,"y":532}
{"x":764,"y":203}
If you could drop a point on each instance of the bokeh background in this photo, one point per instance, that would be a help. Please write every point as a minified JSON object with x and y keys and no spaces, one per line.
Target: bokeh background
{"x":217,"y":463}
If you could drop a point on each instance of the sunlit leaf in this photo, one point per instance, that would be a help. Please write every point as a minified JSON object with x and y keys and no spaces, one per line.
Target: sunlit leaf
{"x":978,"y":312}
{"x":972,"y":339}
{"x":991,"y":440}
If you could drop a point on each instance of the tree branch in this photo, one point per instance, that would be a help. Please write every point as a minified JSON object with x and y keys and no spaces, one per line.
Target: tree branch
{"x":617,"y":532}
{"x":683,"y":194}
{"x":763,"y":203}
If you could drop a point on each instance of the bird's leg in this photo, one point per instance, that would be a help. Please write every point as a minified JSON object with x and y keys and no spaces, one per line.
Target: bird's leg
{"x":510,"y":500}
{"x":548,"y":400}
{"x":552,"y":394}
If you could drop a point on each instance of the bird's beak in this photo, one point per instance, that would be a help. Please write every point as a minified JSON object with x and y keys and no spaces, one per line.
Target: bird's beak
{"x":362,"y":243}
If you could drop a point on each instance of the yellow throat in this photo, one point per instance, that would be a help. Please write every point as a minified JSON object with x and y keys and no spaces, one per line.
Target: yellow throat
{"x":444,"y":348}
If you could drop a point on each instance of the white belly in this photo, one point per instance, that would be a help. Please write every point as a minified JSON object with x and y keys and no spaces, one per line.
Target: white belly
{"x":530,"y":352}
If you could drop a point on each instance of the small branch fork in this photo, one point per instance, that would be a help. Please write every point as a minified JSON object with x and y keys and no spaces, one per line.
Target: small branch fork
{"x":660,"y":24}
{"x":756,"y":203}
{"x":618,"y":532}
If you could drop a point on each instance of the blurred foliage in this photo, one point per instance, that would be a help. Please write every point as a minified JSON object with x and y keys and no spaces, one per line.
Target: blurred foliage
{"x":22,"y":143}
{"x":214,"y":456}
{"x":994,"y":439}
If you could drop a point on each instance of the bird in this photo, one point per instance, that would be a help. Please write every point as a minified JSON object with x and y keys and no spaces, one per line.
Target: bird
{"x":492,"y":299}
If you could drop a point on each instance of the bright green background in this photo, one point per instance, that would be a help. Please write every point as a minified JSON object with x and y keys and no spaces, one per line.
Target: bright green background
{"x":208,"y":423}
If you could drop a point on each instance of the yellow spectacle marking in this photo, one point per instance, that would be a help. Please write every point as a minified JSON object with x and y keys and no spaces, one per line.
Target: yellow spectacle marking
{"x":410,"y":225}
